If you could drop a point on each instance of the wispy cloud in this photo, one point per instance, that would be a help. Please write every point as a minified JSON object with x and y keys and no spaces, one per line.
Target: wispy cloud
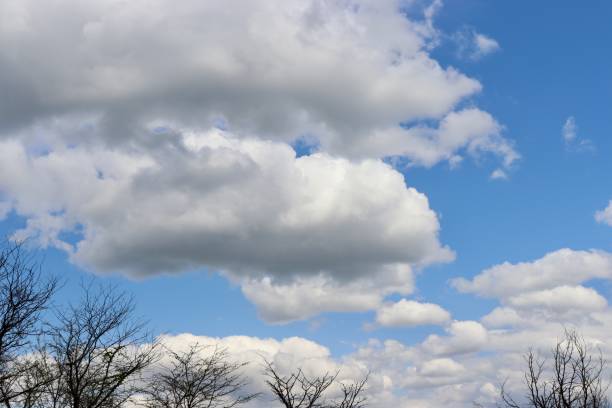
{"x":474,"y":45}
{"x":499,"y":174}
{"x":485,"y":45}
{"x":569,"y":132}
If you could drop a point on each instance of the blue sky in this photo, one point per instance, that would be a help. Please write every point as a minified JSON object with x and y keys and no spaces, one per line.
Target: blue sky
{"x":320,"y":72}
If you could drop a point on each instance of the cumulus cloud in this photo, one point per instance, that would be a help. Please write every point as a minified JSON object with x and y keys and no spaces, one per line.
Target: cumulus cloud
{"x":453,"y":368}
{"x":307,"y":296}
{"x":469,"y":131}
{"x":462,"y":365}
{"x":550,"y":289}
{"x":315,"y":225}
{"x":502,"y":317}
{"x":287,"y":355}
{"x":561,"y":267}
{"x":363,"y":69}
{"x":463,"y":337}
{"x":411,"y":313}
{"x":561,"y":299}
{"x":114,"y":124}
{"x":605,"y":216}
{"x":441,"y":367}
{"x":114,"y":121}
{"x":399,"y":375}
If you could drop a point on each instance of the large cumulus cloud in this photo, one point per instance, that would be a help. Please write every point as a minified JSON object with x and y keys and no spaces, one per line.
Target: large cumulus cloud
{"x":346,"y":72}
{"x":248,"y":208}
{"x":157,"y":135}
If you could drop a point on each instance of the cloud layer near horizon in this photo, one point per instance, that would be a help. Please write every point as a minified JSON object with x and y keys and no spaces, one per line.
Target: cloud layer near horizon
{"x":468,"y":360}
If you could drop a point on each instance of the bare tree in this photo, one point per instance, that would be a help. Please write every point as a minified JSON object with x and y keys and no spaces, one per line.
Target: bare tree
{"x":32,"y":387}
{"x":193,"y":380}
{"x":24,"y":294}
{"x":352,"y":395}
{"x":96,"y":350}
{"x":300,"y":391}
{"x":575,"y":379}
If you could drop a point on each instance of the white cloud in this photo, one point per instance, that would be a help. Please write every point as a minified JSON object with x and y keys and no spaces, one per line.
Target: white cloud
{"x":469,"y":131}
{"x":605,"y":216}
{"x":485,"y":45}
{"x":411,"y":313}
{"x":562,"y":267}
{"x":464,"y":365}
{"x":501,"y":317}
{"x":441,"y":367}
{"x":569,"y":130}
{"x":499,"y":174}
{"x":463,"y":337}
{"x":305,"y":297}
{"x":474,"y":45}
{"x":398,"y":375}
{"x":111,"y":126}
{"x":465,"y":362}
{"x":111,"y":123}
{"x":363,"y":69}
{"x":539,"y":300}
{"x":315,"y":225}
{"x":287,"y":355}
{"x":561,"y":299}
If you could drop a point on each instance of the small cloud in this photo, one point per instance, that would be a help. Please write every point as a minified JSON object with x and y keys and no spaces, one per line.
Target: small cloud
{"x":499,"y":174}
{"x":573,"y":142}
{"x":605,"y":216}
{"x":473,"y":45}
{"x":485,"y":45}
{"x":409,"y":313}
{"x":569,"y":130}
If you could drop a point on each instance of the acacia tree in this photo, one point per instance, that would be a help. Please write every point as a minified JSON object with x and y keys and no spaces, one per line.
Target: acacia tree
{"x":574,"y":380}
{"x":24,"y":294}
{"x":298,"y":390}
{"x":193,"y":380}
{"x":96,"y":351}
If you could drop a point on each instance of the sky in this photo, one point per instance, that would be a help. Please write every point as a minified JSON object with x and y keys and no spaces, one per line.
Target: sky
{"x":412,"y":188}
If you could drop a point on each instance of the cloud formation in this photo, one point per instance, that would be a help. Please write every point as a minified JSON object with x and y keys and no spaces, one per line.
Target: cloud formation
{"x":398,"y":375}
{"x":310,"y":227}
{"x":407,"y":313}
{"x":345,"y":72}
{"x":485,"y":44}
{"x":154,"y":137}
{"x":473,"y":45}
{"x":558,"y":268}
{"x":605,"y":216}
{"x":569,"y":131}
